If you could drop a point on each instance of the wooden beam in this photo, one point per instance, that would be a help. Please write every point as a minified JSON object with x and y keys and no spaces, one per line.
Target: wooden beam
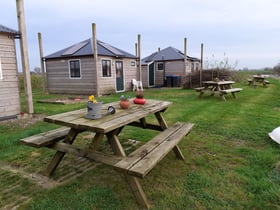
{"x":42,"y":62}
{"x":201,"y":62}
{"x":139,"y":57}
{"x":95,"y":57}
{"x":24,"y":57}
{"x":185,"y":56}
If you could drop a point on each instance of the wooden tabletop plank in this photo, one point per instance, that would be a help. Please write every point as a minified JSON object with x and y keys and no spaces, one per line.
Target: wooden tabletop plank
{"x":76,"y":119}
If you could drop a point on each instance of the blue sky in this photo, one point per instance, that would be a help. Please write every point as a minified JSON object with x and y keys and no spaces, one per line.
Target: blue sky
{"x":247,"y":32}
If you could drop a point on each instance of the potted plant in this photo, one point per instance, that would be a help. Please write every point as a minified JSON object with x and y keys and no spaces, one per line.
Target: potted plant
{"x":124,"y":102}
{"x":93,"y":108}
{"x":139,"y":97}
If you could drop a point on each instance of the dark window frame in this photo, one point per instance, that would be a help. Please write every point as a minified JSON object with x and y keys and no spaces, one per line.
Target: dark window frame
{"x":106,"y":68}
{"x":160,"y":66}
{"x":74,"y":69}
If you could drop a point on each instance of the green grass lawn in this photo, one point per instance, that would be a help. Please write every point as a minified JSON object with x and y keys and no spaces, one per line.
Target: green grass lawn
{"x":230,"y":161}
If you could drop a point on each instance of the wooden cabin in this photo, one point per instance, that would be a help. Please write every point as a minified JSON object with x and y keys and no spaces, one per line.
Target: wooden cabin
{"x":9,"y":82}
{"x":166,"y":65}
{"x":72,"y":69}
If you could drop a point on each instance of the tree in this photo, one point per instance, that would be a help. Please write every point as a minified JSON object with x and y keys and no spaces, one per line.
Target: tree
{"x":37,"y":70}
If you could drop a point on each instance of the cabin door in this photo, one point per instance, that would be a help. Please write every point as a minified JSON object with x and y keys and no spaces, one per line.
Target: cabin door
{"x":152,"y":75}
{"x":119,"y":76}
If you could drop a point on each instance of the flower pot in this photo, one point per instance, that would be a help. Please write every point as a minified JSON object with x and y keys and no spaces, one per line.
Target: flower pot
{"x":124,"y":104}
{"x":141,"y":101}
{"x":94,"y":110}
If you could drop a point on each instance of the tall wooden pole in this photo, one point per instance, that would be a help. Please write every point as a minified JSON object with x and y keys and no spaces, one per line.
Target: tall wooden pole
{"x":185,"y":56}
{"x":42,"y":62}
{"x":24,"y":57}
{"x":139,"y":57}
{"x":95,"y":57}
{"x":136,"y":50}
{"x":201,"y":63}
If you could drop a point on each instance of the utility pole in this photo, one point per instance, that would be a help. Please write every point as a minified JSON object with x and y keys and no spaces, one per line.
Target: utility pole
{"x":24,"y":56}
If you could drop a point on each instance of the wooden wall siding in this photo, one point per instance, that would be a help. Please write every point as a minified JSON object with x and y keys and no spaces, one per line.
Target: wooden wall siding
{"x":9,"y":85}
{"x":59,"y":81}
{"x":174,"y":68}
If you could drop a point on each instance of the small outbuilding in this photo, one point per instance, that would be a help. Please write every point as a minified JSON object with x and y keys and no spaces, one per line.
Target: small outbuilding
{"x":9,"y":81}
{"x":166,"y":67}
{"x":72,"y":69}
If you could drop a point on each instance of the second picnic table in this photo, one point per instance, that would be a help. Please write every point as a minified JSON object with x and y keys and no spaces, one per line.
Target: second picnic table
{"x":220,"y":87}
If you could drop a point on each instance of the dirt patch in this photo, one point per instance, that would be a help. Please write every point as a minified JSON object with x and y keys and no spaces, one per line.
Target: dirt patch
{"x":23,"y":121}
{"x":64,"y":101}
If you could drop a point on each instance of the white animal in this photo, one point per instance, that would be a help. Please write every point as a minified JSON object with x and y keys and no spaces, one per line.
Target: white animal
{"x":136,"y":85}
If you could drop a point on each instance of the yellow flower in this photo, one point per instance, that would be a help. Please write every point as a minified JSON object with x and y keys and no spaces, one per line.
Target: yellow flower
{"x":92,"y":99}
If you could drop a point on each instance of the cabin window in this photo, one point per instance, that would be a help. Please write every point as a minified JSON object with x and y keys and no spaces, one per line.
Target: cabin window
{"x":75,"y":68}
{"x":132,"y":63}
{"x":106,"y":68}
{"x":1,"y":75}
{"x":160,"y":66}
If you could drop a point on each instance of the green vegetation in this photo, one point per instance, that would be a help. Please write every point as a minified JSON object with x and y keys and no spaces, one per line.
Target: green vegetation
{"x":231,"y":163}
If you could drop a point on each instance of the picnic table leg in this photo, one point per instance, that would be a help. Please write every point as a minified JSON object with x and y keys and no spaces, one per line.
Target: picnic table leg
{"x":132,"y":181}
{"x":161,"y":120}
{"x":69,"y":139}
{"x":201,"y":93}
{"x":234,"y":95}
{"x":115,"y":143}
{"x":96,"y":140}
{"x":223,"y":97}
{"x":164,"y":126}
{"x":137,"y":190}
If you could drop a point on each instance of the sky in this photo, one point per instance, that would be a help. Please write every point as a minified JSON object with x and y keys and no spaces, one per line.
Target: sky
{"x":244,"y":32}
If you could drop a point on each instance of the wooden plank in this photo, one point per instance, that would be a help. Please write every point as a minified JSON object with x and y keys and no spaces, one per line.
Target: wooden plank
{"x":153,"y":151}
{"x":76,"y":119}
{"x":232,"y":90}
{"x":46,"y":138}
{"x":86,"y":153}
{"x":143,"y":167}
{"x":199,"y":89}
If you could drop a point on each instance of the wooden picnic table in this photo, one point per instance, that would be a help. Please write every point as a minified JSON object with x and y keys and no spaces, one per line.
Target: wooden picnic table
{"x":218,"y":87}
{"x":259,"y":79}
{"x":135,"y":165}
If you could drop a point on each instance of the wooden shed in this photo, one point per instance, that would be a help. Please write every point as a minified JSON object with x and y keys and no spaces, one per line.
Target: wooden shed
{"x":9,"y":82}
{"x":158,"y":67}
{"x":72,"y":69}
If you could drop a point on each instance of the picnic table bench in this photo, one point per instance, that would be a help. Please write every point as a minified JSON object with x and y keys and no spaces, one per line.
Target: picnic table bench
{"x":46,"y":138}
{"x":140,"y":162}
{"x":137,"y":164}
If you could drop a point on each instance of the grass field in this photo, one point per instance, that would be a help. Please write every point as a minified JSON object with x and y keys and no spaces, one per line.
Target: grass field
{"x":230,"y":161}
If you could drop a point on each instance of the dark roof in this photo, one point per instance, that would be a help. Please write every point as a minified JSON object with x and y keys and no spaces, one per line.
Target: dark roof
{"x":84,"y":48}
{"x":9,"y":30}
{"x":167,"y":54}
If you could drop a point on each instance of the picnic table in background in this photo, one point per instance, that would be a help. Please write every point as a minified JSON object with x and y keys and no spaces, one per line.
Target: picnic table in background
{"x":258,"y":79}
{"x":134,"y":165}
{"x":218,"y":87}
